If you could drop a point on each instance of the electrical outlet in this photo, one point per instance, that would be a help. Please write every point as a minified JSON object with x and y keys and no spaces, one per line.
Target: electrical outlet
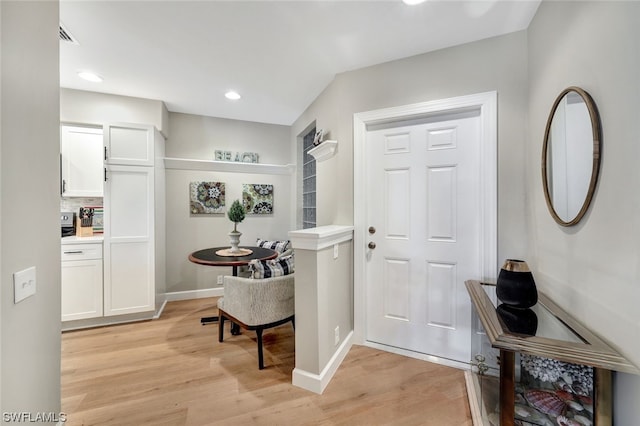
{"x":336,"y":337}
{"x":220,"y":279}
{"x":24,"y":284}
{"x":335,"y":251}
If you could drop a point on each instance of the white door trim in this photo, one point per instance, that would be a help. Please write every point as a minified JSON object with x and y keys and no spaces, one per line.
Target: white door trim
{"x":488,"y":105}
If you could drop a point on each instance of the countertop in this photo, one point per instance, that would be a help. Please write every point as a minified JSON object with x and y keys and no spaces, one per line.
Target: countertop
{"x":82,"y":240}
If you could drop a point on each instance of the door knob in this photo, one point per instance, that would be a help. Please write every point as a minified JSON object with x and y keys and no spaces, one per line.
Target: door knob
{"x":372,"y":245}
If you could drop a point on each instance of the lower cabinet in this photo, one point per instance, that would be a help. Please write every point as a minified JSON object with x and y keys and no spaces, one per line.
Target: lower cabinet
{"x":81,"y":281}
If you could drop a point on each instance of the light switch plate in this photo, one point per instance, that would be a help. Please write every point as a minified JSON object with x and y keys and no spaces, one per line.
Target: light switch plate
{"x":335,"y":251}
{"x":24,"y":284}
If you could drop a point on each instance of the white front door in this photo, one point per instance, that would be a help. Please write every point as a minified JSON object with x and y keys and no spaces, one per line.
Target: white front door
{"x":423,"y":192}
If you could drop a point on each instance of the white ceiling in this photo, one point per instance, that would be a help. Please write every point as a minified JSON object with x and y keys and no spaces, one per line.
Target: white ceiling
{"x":279,"y":55}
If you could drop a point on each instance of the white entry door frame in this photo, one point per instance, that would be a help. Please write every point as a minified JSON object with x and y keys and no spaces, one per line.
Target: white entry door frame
{"x":486,"y":103}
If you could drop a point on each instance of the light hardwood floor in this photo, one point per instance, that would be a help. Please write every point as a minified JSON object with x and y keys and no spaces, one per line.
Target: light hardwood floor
{"x":173,"y":371}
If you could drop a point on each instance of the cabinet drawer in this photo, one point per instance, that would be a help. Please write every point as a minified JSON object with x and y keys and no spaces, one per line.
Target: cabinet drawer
{"x":81,"y":252}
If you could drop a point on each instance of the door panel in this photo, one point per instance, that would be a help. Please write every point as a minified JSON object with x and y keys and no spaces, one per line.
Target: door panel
{"x":423,"y":191}
{"x":397,"y":202}
{"x":396,"y":288}
{"x":441,"y":301}
{"x":441,"y":203}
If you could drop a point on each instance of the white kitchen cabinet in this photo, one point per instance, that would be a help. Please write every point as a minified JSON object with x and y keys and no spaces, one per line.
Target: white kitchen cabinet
{"x":129,"y":240}
{"x":81,"y":156}
{"x":129,"y":144}
{"x":131,"y":255}
{"x":81,"y":281}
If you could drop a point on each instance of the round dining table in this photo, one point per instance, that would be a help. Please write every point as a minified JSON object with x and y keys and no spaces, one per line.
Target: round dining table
{"x":212,"y":257}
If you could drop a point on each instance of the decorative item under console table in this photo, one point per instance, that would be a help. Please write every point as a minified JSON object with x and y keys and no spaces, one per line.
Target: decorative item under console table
{"x":552,"y":369}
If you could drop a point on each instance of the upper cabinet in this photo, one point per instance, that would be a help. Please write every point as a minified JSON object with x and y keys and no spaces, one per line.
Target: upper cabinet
{"x":129,"y":145}
{"x":81,"y":156}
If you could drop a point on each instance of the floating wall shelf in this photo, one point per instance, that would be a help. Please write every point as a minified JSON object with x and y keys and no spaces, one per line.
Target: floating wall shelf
{"x":227,"y":166}
{"x":326,"y":149}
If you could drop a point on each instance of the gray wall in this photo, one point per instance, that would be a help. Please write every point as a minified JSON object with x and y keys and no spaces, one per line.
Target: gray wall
{"x":592,"y":269}
{"x":494,"y":64}
{"x":83,"y":107}
{"x":29,"y":224}
{"x":197,"y":137}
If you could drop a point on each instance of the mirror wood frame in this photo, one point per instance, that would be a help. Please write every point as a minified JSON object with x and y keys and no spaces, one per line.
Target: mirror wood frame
{"x":595,"y":167}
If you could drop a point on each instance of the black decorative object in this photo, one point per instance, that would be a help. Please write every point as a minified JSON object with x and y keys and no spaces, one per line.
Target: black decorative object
{"x":515,"y":286}
{"x":517,"y":320}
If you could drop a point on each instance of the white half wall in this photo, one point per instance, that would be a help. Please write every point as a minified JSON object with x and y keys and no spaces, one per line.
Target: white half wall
{"x":324,"y":282}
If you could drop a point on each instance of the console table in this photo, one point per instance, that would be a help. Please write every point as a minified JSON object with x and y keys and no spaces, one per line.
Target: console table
{"x":541,"y":352}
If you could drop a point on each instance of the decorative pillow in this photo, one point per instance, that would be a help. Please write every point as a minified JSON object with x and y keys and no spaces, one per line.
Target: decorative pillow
{"x":272,"y":268}
{"x":279,"y":246}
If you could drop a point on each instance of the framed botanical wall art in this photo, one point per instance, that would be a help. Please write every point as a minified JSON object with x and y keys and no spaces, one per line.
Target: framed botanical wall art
{"x":206,"y":197}
{"x":257,"y":198}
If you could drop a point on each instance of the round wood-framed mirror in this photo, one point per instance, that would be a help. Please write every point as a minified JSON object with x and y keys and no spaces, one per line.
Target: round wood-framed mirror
{"x":571,"y":155}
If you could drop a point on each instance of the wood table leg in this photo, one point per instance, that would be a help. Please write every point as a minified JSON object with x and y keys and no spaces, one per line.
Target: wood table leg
{"x":603,"y":397}
{"x":507,"y":387}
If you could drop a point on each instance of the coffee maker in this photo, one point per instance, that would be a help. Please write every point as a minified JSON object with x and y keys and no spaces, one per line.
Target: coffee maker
{"x":67,"y":223}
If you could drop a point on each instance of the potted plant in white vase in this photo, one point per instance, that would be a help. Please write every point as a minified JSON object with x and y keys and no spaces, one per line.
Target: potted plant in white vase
{"x":236,"y":214}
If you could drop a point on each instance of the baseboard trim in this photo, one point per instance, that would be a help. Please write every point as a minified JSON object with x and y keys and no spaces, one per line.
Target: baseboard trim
{"x":194,"y":294}
{"x":159,"y":310}
{"x":106,"y":321}
{"x":419,"y":355}
{"x":318,"y":382}
{"x":472,"y":395}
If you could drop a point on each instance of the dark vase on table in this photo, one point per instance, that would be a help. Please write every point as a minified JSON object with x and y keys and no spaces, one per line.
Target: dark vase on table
{"x":515,"y":286}
{"x":518,"y":320}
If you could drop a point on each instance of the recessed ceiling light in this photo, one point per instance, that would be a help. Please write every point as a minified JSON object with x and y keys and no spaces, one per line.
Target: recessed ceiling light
{"x":89,"y":76}
{"x":412,"y":2}
{"x":234,"y":96}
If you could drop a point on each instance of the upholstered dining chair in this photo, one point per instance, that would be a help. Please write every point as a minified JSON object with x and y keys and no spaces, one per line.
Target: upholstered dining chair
{"x":257,"y":304}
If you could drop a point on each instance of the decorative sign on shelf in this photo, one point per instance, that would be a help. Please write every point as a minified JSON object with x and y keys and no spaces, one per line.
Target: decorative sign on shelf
{"x":237,"y":157}
{"x":319,"y":136}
